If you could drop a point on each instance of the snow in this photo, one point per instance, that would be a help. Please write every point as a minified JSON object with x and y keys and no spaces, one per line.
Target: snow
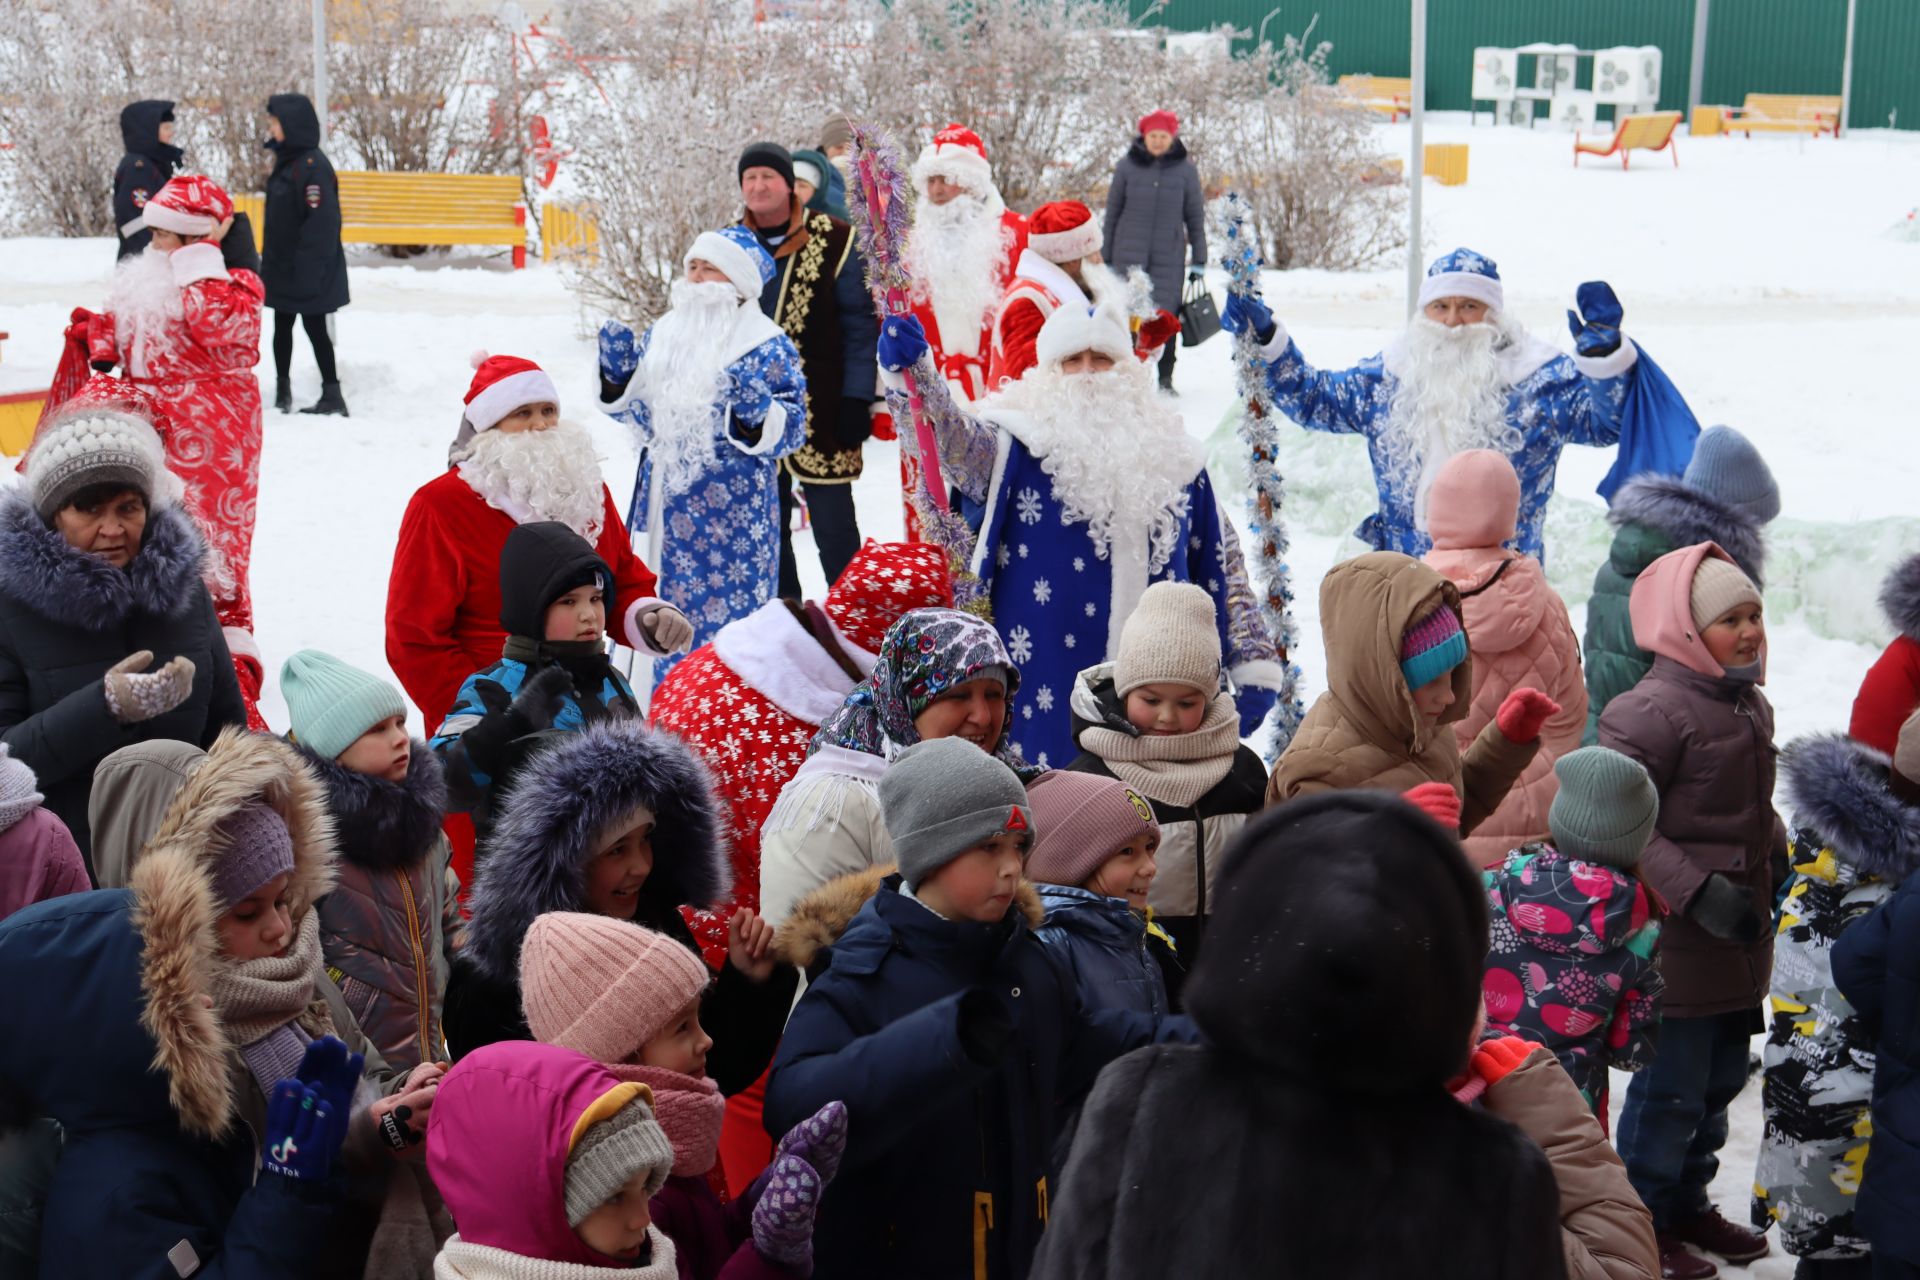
{"x":1761,"y":272}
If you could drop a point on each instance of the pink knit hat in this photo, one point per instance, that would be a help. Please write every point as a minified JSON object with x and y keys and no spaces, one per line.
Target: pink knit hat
{"x":1079,"y":821}
{"x":1474,"y":501}
{"x":603,"y":987}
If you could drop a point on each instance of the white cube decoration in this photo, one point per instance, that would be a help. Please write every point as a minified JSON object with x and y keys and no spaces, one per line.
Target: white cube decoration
{"x":1493,"y":74}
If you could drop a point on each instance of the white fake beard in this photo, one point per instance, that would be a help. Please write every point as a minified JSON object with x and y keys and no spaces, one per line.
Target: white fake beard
{"x":685,"y":374}
{"x":146,"y":305}
{"x":1118,"y":457}
{"x":540,"y":475}
{"x":954,"y":256}
{"x":1453,"y":397}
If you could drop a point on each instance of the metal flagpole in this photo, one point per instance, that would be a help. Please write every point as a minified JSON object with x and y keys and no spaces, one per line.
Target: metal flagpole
{"x":1697,"y":73}
{"x":1416,"y":164}
{"x":1846,"y":73}
{"x":320,"y":66}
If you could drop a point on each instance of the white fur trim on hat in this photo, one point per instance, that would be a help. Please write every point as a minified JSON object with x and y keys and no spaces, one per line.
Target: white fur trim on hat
{"x":1069,"y":245}
{"x":962,"y":166}
{"x":732,"y":259}
{"x":1074,"y":328}
{"x":178,"y":221}
{"x":529,"y":386}
{"x":1463,"y":284}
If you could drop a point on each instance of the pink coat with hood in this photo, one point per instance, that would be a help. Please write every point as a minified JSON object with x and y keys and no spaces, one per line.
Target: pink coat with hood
{"x":38,"y":858}
{"x":1518,"y":632}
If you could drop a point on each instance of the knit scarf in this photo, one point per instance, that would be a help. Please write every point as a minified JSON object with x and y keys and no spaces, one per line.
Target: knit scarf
{"x":690,"y":1109}
{"x":1175,"y":770}
{"x":270,"y":1008}
{"x":463,"y":1260}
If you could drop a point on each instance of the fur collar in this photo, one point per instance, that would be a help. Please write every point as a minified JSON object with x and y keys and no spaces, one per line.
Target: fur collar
{"x":381,"y":825}
{"x":76,"y":589}
{"x":175,"y":909}
{"x":1687,"y":515}
{"x":564,"y":801}
{"x":1900,"y":597}
{"x":818,"y":920}
{"x":778,"y":658}
{"x":1837,"y":788}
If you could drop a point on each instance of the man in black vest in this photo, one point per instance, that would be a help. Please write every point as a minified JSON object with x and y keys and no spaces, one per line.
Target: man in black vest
{"x":818,"y":295}
{"x":147,"y":129}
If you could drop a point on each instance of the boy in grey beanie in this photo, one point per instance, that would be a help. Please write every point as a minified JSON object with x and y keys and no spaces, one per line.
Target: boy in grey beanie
{"x":960,"y":827}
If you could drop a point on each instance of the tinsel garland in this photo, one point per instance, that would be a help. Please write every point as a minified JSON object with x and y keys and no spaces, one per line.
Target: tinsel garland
{"x":1266,"y":530}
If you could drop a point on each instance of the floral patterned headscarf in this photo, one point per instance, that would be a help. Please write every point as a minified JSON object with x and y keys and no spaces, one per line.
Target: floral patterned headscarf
{"x":923,"y":654}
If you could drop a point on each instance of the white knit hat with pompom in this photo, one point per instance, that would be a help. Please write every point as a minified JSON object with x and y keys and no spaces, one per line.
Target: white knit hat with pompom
{"x":94,"y":447}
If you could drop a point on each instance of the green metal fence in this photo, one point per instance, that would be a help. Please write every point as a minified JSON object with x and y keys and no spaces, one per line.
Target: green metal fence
{"x":1753,"y":46}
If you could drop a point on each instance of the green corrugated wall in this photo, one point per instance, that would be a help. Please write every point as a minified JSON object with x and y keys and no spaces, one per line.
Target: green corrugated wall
{"x":1780,"y":46}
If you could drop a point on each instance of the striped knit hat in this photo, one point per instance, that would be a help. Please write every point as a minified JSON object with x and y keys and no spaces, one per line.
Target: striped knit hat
{"x":1432,"y":647}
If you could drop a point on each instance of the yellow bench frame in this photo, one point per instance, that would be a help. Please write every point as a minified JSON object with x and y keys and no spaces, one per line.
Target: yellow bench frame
{"x":421,"y":208}
{"x":1650,"y":132}
{"x":1391,"y":96}
{"x":1814,"y":113}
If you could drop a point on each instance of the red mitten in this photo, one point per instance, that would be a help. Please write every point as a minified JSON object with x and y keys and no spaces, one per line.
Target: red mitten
{"x":1495,"y":1060}
{"x":1524,"y":713}
{"x":1157,"y":332}
{"x":1438,"y":800}
{"x":883,"y":426}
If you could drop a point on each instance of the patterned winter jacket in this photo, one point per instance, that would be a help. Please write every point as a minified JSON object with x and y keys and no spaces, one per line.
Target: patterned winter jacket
{"x":1573,"y":962}
{"x":392,"y":918}
{"x":1853,"y":845}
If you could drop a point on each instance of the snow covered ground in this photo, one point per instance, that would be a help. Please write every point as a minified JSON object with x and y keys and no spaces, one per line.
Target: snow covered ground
{"x":1759,"y":272}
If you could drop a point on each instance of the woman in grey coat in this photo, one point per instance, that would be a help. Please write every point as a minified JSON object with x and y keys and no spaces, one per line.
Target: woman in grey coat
{"x":1157,"y":217}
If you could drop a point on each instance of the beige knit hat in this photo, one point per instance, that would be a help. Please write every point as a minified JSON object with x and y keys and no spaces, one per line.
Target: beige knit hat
{"x":1718,"y":585}
{"x":1171,"y":638}
{"x":603,"y":987}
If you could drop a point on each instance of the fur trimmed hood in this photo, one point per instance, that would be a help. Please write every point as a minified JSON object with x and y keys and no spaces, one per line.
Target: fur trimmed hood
{"x":822,"y":916}
{"x":175,"y":908}
{"x":1837,"y":790}
{"x":1687,"y":516}
{"x":1900,"y":597}
{"x":381,"y":825}
{"x":76,"y":589}
{"x":564,"y":801}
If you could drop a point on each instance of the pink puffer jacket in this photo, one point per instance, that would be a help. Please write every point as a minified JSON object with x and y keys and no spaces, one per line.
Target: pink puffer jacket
{"x":1517,"y":629}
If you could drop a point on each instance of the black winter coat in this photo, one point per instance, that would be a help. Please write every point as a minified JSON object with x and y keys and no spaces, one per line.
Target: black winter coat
{"x":1876,"y":965}
{"x":1156,"y":217}
{"x":303,"y":266}
{"x":67,"y":616}
{"x":145,"y":168}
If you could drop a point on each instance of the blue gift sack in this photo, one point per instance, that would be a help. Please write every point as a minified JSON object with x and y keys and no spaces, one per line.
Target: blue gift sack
{"x":1657,"y":429}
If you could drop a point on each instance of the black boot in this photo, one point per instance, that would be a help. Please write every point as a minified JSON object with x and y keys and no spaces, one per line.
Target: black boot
{"x":330,"y":401}
{"x":282,"y":396}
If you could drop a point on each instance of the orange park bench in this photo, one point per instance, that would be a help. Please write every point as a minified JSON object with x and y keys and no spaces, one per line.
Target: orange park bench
{"x":1391,"y":96}
{"x":1814,"y":113}
{"x":420,"y":208}
{"x":1650,"y":132}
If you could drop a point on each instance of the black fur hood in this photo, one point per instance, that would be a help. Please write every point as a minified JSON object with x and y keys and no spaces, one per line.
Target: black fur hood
{"x":562,"y":802}
{"x":380,"y":825}
{"x":75,"y":589}
{"x":1900,"y":597}
{"x":1837,"y":789}
{"x":1688,"y":516}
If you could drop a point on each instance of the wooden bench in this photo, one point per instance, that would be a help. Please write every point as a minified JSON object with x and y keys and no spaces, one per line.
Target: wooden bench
{"x":1650,"y":132}
{"x":19,"y":415}
{"x":1392,"y":96}
{"x":1784,"y":113}
{"x":421,"y":208}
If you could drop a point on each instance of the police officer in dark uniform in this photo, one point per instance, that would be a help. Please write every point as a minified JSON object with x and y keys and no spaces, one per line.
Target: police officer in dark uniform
{"x":146,"y":127}
{"x":303,"y":265}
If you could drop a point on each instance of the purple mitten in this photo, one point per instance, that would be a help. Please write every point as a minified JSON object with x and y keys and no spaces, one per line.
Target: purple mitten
{"x":783,"y":1219}
{"x":820,"y":1140}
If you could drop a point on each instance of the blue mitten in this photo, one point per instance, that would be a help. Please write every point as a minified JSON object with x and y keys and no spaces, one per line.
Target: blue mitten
{"x":302,"y":1135}
{"x":619,"y":352}
{"x":1596,"y":325}
{"x":1246,"y":312}
{"x":750,"y":399}
{"x":902,"y":342}
{"x":1254,"y":702}
{"x":334,"y":1075}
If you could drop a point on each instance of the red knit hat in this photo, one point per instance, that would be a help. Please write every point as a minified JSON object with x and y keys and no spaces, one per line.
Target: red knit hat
{"x":502,"y":384}
{"x":1165,"y":121}
{"x":1063,"y":231}
{"x":881,"y":582}
{"x":189,"y":205}
{"x":959,"y":156}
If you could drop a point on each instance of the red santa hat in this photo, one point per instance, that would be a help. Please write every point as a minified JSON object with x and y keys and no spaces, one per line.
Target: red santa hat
{"x":1163,"y":121}
{"x":881,"y":582}
{"x":189,"y":205}
{"x":959,"y":156}
{"x":1063,"y":231}
{"x":1074,"y":328}
{"x":502,"y":384}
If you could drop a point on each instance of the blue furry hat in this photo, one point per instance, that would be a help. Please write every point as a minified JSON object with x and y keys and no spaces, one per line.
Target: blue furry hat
{"x":562,"y":806}
{"x":1837,"y":790}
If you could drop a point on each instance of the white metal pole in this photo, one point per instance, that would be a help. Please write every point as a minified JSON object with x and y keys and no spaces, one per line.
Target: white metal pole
{"x":1416,"y":165}
{"x":1697,"y":74}
{"x":320,"y":66}
{"x":1846,"y":72}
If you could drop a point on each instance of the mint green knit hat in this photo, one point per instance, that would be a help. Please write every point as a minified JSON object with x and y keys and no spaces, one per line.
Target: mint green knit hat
{"x":330,"y":704}
{"x":1605,"y":808}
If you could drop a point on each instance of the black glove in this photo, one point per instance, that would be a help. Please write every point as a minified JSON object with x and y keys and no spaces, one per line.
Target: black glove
{"x":539,"y":701}
{"x":236,"y":247}
{"x":1726,"y":911}
{"x":855,"y":423}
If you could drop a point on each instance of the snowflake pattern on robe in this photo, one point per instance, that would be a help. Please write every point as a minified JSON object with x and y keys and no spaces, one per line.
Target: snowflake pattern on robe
{"x":716,"y":546}
{"x":1555,"y":405}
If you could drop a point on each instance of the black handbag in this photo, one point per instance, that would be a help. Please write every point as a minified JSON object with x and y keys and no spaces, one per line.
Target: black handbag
{"x":1199,"y":318}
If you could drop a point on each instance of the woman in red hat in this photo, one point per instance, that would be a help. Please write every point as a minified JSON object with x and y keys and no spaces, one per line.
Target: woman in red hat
{"x":1157,"y":218}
